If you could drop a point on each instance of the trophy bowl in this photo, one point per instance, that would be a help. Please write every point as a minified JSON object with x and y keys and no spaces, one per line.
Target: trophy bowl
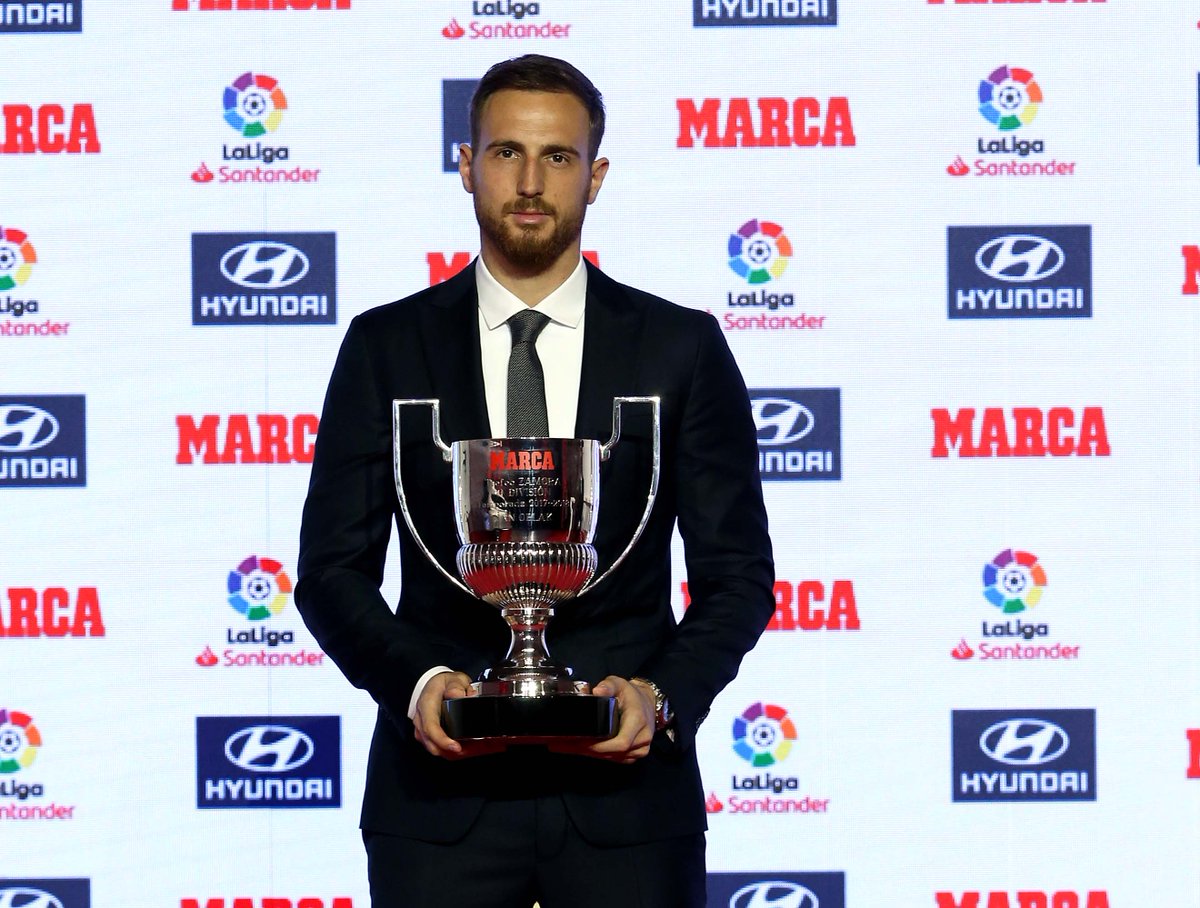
{"x":525,"y":512}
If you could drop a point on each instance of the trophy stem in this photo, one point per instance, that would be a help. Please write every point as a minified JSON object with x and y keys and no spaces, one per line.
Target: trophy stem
{"x":528,"y":670}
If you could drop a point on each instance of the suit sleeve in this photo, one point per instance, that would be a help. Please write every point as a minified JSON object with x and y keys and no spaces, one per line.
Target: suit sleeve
{"x":344,"y":536}
{"x":723,"y":523}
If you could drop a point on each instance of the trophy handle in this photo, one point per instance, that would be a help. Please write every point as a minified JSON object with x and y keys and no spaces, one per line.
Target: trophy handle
{"x":655,"y":471}
{"x":435,"y":405}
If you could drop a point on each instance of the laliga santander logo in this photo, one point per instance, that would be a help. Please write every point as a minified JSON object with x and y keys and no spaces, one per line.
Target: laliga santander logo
{"x":259,"y":588}
{"x":1009,"y":98}
{"x":759,"y":251}
{"x":254,"y":104}
{"x":763,"y":734}
{"x":19,"y":741}
{"x":1013,"y":581}
{"x":17,"y":258}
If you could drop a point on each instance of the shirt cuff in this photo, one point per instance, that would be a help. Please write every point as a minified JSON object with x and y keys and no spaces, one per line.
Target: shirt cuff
{"x":421,"y":682}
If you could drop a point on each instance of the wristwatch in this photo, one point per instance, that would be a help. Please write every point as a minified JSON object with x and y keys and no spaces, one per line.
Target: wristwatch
{"x":664,"y":716}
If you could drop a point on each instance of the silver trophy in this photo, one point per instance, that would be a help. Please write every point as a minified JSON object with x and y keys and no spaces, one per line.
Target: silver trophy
{"x":526,"y":510}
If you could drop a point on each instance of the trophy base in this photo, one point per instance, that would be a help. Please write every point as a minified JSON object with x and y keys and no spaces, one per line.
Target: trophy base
{"x":531,"y":720}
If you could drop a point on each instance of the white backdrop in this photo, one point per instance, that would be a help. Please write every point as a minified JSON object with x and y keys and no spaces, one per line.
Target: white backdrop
{"x":870,"y":721}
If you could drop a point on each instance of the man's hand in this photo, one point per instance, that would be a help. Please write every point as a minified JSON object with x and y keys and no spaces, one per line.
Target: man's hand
{"x":635,"y":704}
{"x":427,"y":720}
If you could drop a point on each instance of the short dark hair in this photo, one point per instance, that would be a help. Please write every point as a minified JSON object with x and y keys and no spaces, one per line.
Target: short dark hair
{"x":534,"y":72}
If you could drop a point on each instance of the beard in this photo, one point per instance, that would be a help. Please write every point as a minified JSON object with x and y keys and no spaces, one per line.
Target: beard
{"x":521,"y":246}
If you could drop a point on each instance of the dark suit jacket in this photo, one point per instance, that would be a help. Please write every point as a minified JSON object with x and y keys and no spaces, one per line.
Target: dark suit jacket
{"x":634,"y":344}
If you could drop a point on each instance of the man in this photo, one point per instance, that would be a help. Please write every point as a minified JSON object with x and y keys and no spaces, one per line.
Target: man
{"x":619,"y":822}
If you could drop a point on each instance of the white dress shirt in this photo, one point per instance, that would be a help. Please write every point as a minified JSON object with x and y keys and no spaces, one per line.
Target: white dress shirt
{"x":559,"y":348}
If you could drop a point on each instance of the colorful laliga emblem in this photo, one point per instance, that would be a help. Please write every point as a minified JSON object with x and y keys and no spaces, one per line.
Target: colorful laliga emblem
{"x":1009,"y":98}
{"x":254,"y":104}
{"x":17,"y":258}
{"x":759,"y":251}
{"x":19,"y":741}
{"x":1013,"y":581}
{"x":763,"y":734}
{"x":259,"y":588}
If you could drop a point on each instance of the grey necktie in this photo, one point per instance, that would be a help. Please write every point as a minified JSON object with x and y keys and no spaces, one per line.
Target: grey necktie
{"x":526,"y":384}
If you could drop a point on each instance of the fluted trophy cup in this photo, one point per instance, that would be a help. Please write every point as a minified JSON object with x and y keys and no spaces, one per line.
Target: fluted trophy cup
{"x":525,"y":511}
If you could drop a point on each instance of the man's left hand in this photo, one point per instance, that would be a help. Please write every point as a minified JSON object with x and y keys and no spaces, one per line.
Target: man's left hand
{"x":635,"y":706}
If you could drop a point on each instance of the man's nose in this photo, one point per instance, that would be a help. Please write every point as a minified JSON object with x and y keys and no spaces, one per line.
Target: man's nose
{"x":530,"y":182}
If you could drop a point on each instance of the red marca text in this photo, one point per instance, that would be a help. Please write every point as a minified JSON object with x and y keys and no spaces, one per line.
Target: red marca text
{"x":779,"y":123}
{"x":1194,"y":763}
{"x":52,"y":612}
{"x":274,"y":439}
{"x":521,"y":460}
{"x":801,"y":606}
{"x":1023,"y":900}
{"x":442,"y":270}
{"x":344,"y":902}
{"x":1028,"y":432}
{"x":1191,"y":270}
{"x":259,"y":4}
{"x":49,"y":129}
{"x":977,"y":2}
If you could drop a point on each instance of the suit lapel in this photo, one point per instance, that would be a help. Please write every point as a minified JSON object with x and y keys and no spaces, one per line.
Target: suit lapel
{"x":450,"y":332}
{"x":612,"y":338}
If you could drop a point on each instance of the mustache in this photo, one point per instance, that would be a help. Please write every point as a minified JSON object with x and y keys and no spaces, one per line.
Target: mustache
{"x":525,"y":206}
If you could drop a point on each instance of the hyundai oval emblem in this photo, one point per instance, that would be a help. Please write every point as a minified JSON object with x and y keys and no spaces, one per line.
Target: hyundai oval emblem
{"x":1020,"y":258}
{"x":1024,"y":742}
{"x":774,"y":894}
{"x":269,"y":748}
{"x":21,"y":897}
{"x":24,"y":428}
{"x":786,"y":421}
{"x":264,"y":265}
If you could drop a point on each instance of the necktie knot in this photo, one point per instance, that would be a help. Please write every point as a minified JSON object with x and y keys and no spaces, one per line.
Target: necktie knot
{"x":526,"y":326}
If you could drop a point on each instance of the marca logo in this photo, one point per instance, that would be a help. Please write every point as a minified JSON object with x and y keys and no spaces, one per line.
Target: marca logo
{"x":26,"y":16}
{"x":45,"y":893}
{"x":42,"y":441}
{"x":49,"y":129}
{"x":773,"y":122}
{"x":763,"y":12}
{"x":1028,"y":432}
{"x":275,"y":438}
{"x":264,"y":278}
{"x":244,"y":902}
{"x":1019,"y":272}
{"x":271,"y":5}
{"x":1193,"y":737}
{"x":281,"y":761}
{"x":442,"y":268}
{"x":777,"y":890}
{"x":1191,"y":270}
{"x":456,"y":120}
{"x":1032,"y":755}
{"x":982,"y":2}
{"x":1026,"y":898}
{"x":809,"y":605}
{"x":799,"y":433}
{"x":51,"y":612}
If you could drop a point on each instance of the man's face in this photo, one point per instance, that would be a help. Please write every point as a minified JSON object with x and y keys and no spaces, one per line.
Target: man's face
{"x":531,"y":178}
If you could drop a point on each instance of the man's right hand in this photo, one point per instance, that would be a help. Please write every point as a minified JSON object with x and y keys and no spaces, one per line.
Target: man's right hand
{"x":427,"y":720}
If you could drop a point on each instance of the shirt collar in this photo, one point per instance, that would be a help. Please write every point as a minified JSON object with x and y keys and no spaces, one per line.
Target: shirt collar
{"x":564,"y":305}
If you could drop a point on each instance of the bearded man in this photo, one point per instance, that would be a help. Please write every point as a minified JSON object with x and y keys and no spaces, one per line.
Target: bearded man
{"x":615,"y":823}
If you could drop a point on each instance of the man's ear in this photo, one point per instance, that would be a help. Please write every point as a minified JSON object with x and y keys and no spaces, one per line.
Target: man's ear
{"x":464,"y":166}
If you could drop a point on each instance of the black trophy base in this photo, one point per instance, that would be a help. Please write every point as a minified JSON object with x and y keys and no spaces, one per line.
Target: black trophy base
{"x":531,"y":720}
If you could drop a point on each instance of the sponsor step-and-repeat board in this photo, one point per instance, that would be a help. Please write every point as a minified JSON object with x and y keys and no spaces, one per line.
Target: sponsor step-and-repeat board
{"x":949,"y":243}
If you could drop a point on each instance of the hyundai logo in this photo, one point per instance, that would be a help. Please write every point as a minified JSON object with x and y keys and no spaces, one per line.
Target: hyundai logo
{"x":784,"y":421}
{"x":1020,"y":258}
{"x":24,"y":428}
{"x":268,"y":748}
{"x":20,"y":897}
{"x":1024,"y":742}
{"x":264,"y":265}
{"x":774,"y":894}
